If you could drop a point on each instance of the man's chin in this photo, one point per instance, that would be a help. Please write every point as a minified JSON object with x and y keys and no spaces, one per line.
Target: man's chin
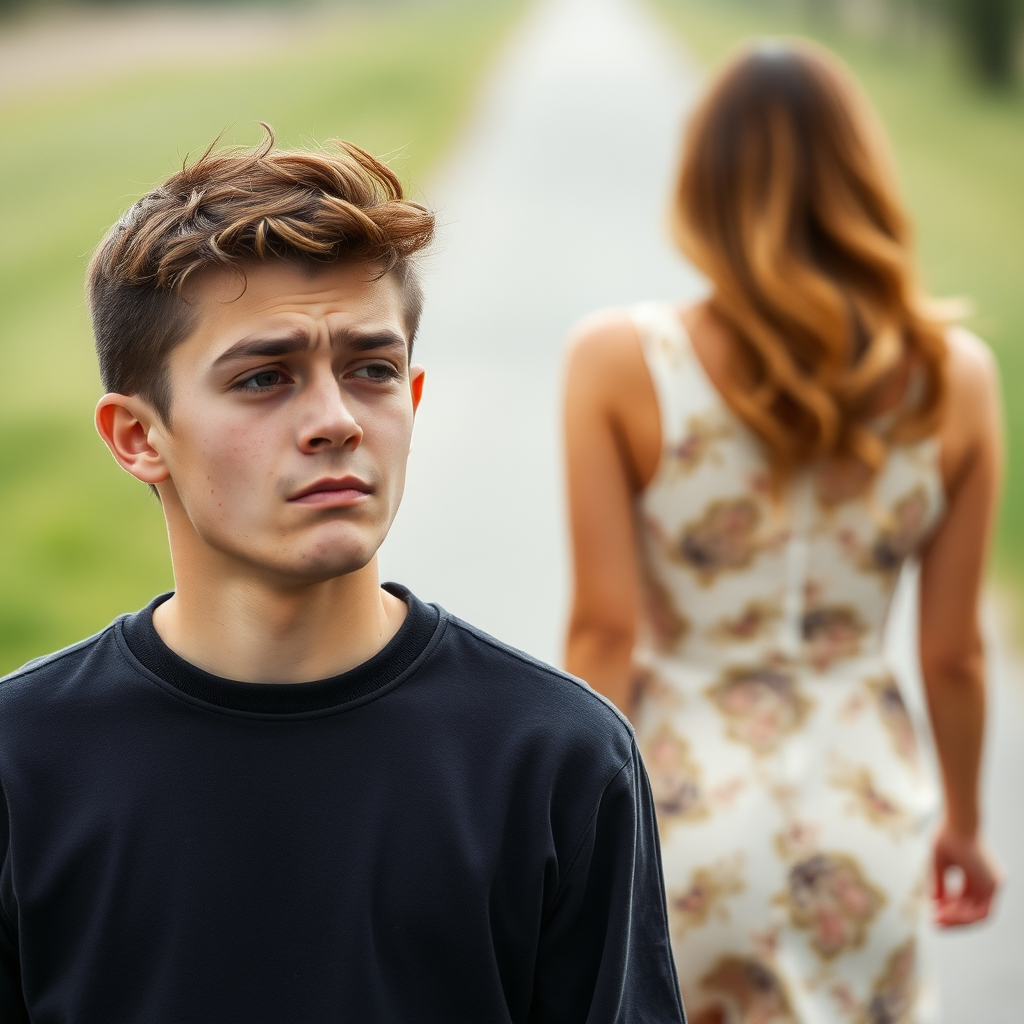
{"x":295,"y":562}
{"x":308,"y":568}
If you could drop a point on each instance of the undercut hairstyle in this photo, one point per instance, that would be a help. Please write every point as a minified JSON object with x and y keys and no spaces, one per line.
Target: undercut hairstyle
{"x":234,"y":208}
{"x":787,"y":201}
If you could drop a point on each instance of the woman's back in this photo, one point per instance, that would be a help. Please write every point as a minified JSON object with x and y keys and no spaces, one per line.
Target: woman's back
{"x":790,"y":797}
{"x":795,"y":815}
{"x":734,"y":574}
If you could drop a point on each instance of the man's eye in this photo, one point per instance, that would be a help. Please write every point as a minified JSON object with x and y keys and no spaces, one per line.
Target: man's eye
{"x":263,"y":379}
{"x":376,"y":371}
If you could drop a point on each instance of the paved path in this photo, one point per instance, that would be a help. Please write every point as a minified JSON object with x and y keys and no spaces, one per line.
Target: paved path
{"x":553,"y":206}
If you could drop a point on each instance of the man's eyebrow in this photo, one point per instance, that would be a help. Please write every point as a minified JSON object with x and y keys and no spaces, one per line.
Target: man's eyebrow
{"x":300,"y":341}
{"x":364,"y":341}
{"x":282,"y":345}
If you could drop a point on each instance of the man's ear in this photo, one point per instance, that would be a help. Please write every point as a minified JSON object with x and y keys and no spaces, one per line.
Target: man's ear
{"x":126,"y":423}
{"x":416,"y":377}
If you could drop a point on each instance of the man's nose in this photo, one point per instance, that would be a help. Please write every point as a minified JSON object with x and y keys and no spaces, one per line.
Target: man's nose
{"x":328,"y":420}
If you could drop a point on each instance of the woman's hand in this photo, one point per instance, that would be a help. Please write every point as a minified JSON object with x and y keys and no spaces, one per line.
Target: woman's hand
{"x":980,"y":877}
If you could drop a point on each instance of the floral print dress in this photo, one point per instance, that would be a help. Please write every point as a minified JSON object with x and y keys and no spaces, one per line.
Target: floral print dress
{"x":794,"y":810}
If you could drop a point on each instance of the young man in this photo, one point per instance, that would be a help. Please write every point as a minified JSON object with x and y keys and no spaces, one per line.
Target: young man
{"x":283,"y":794}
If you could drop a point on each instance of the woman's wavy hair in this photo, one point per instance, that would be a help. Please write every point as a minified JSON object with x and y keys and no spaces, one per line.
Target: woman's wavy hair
{"x":787,"y":202}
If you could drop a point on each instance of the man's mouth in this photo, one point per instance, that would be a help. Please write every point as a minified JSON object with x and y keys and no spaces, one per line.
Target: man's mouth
{"x":333,"y":492}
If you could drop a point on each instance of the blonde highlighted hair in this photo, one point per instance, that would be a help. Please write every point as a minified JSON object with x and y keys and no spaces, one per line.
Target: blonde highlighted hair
{"x":787,"y":202}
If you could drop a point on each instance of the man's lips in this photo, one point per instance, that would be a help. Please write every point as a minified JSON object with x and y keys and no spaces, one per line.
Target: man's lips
{"x":335,"y":492}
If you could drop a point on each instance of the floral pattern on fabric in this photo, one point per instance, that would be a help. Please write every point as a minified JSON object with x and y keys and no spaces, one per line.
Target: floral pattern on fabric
{"x":794,"y":811}
{"x":761,"y":704}
{"x":726,"y":538}
{"x":831,"y":633}
{"x":753,"y":620}
{"x":706,"y":895}
{"x":675,"y":778}
{"x":903,"y":530}
{"x":829,"y":895}
{"x":654,"y":690}
{"x":755,"y":992}
{"x":869,"y":801}
{"x":668,"y":625}
{"x":895,"y":717}
{"x":697,"y":444}
{"x":894,"y":994}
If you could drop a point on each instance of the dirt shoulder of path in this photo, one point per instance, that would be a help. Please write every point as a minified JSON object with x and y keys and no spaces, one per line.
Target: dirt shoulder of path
{"x":63,"y":48}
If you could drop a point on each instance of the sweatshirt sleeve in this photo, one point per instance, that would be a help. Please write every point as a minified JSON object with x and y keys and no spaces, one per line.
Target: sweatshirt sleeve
{"x":12,"y":1002}
{"x":604,"y":955}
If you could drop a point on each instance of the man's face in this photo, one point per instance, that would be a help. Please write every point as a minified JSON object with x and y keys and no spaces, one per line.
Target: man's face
{"x":291,"y":416}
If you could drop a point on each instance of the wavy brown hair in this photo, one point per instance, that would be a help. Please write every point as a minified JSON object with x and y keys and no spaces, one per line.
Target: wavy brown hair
{"x":787,"y":202}
{"x":230,"y":209}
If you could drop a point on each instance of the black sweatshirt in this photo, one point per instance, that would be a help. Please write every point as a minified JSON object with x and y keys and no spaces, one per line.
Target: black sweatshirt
{"x":451,"y":832}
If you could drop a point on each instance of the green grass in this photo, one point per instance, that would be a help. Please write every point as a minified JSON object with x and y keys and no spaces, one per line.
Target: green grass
{"x":960,"y":153}
{"x":80,"y":541}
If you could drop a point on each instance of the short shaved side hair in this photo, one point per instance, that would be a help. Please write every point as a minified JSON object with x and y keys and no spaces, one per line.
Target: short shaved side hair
{"x":229,"y":209}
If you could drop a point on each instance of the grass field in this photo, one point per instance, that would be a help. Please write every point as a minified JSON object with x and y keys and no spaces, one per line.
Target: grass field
{"x":80,"y":541}
{"x":960,"y":152}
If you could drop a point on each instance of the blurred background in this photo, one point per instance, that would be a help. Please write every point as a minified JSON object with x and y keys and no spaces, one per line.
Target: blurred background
{"x":545,"y":134}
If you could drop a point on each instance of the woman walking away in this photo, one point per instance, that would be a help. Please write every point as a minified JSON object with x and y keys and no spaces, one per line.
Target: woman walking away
{"x":747,"y":477}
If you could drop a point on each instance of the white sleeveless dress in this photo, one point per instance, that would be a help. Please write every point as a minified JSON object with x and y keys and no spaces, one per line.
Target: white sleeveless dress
{"x":794,"y":810}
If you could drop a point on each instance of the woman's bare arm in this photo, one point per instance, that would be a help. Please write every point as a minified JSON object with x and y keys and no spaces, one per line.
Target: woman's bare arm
{"x":952,"y":656}
{"x":613,"y":439}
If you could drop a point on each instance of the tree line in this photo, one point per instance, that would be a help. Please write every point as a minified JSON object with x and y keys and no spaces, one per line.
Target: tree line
{"x":986,"y":32}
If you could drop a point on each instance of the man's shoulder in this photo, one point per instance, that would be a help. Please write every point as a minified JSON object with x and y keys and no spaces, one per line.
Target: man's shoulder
{"x":521,"y":685}
{"x":40,"y":673}
{"x":519,"y":727}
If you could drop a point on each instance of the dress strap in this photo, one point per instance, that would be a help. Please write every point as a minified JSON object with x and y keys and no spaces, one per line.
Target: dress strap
{"x":670,"y":360}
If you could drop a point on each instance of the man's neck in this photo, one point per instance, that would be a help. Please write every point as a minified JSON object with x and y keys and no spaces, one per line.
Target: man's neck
{"x":248,"y":629}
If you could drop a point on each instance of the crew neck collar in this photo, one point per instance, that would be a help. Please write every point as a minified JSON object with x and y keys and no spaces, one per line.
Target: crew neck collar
{"x":396,"y":657}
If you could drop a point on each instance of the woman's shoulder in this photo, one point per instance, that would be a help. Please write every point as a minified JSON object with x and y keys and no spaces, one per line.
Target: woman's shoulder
{"x":971,"y":424}
{"x":972,"y":377}
{"x":608,"y":387}
{"x":971,"y":362}
{"x":615,"y":339}
{"x":603,"y":334}
{"x":603,"y":350}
